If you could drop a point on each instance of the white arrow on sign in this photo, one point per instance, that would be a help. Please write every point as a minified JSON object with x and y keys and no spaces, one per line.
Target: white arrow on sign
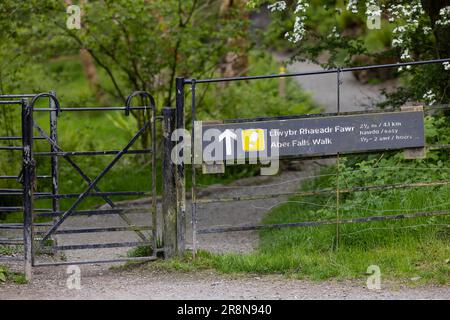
{"x":228,"y":135}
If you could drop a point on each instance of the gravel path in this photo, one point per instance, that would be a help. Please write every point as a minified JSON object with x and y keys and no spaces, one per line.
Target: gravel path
{"x":147,"y":285}
{"x":354,"y":96}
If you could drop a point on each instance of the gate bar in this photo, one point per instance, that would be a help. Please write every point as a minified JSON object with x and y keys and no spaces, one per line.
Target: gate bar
{"x":18,"y":226}
{"x":18,"y":138}
{"x":98,"y":230}
{"x":88,"y":153}
{"x":102,"y":245}
{"x":297,"y":74}
{"x":54,"y":161}
{"x":17,"y":177}
{"x":136,"y":259}
{"x":326,"y":191}
{"x":16,"y":96}
{"x":45,"y":195}
{"x":95,"y":212}
{"x":323,"y":222}
{"x":13,"y":209}
{"x":10,"y":102}
{"x":92,"y":109}
{"x":11,"y":148}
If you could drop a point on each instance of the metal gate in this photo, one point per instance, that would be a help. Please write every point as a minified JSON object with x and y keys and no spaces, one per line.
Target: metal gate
{"x":43,"y":236}
{"x":338,"y":191}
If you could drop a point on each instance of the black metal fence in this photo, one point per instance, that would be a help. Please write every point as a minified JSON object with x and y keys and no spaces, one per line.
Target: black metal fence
{"x":337,"y":191}
{"x":41,"y":236}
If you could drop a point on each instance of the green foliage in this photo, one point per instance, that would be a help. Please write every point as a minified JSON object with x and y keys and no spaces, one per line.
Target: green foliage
{"x":9,"y":250}
{"x":139,"y":45}
{"x":354,"y":44}
{"x":247,"y":99}
{"x":145,"y":251}
{"x":3,"y":272}
{"x":142,"y":251}
{"x":6,"y":276}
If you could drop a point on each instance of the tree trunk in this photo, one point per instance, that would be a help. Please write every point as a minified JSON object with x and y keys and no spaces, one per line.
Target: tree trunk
{"x":89,"y":68}
{"x":91,"y":74}
{"x":235,"y":62}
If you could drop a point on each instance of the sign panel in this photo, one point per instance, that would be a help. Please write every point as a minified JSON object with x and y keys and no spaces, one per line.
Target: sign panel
{"x":314,"y":136}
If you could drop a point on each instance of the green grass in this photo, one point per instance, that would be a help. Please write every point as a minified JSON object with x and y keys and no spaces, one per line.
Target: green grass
{"x":403,"y":249}
{"x":7,"y":276}
{"x":10,"y":250}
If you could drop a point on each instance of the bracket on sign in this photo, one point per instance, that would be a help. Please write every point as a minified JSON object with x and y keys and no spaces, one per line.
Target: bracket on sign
{"x":414,"y":153}
{"x":213,"y":168}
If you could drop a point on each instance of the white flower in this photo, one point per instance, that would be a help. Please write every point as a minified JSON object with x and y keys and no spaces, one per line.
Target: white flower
{"x":334,"y":33}
{"x":405,"y":55}
{"x":397,"y":42}
{"x":297,"y":34}
{"x":444,"y":19}
{"x":426,"y":30}
{"x":353,"y":6}
{"x":301,"y":7}
{"x":399,"y":29}
{"x":373,"y":10}
{"x":430,"y":97}
{"x":408,"y":15}
{"x":446,"y":65}
{"x":277,"y":6}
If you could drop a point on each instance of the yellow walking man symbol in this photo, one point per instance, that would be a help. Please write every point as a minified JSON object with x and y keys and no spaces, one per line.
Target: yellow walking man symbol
{"x":253,"y":140}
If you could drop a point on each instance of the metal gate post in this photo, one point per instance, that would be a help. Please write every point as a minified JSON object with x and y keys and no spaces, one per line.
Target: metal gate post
{"x":28,"y":186}
{"x":180,"y":177}
{"x":169,"y":198}
{"x":54,"y":159}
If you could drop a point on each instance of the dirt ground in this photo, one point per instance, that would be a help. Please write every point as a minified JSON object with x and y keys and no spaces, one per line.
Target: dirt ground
{"x":98,"y":283}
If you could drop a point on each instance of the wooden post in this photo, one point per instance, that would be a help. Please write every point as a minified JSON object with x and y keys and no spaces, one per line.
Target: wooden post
{"x":180,"y":177}
{"x":28,"y":186}
{"x":169,"y":199}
